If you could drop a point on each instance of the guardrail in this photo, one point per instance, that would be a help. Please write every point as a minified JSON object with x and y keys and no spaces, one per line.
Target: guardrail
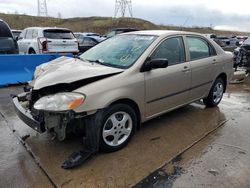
{"x":15,"y":69}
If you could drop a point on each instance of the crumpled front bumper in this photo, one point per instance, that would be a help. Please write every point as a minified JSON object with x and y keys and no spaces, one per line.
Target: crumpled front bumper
{"x":92,"y":127}
{"x":61,"y":122}
{"x":26,"y":116}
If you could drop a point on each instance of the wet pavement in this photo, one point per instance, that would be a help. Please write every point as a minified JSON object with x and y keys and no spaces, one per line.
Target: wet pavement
{"x":212,"y":146}
{"x":17,"y":167}
{"x":222,"y":159}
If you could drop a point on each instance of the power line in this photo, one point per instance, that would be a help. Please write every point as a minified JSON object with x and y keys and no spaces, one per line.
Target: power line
{"x":42,"y":9}
{"x":121,"y":6}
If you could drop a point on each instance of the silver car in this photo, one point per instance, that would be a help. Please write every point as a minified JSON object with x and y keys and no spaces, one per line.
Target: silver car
{"x":111,"y":89}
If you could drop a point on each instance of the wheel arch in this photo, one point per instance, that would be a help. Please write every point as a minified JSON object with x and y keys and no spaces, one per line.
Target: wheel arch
{"x":31,"y":48}
{"x":132,"y":104}
{"x":223,"y":76}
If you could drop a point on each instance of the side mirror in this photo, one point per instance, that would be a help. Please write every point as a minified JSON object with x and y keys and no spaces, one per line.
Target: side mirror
{"x":16,"y":38}
{"x":154,"y":64}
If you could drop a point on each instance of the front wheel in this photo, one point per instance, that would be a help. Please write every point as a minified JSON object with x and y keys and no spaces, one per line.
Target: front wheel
{"x":118,"y":127}
{"x":215,"y":94}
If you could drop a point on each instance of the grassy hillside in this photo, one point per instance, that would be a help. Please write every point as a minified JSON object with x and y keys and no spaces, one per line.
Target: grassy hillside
{"x":96,"y":24}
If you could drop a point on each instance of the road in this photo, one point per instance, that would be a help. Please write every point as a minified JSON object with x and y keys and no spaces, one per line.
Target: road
{"x":189,"y":147}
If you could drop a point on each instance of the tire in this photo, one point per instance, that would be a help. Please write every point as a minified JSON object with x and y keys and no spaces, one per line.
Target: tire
{"x":32,"y":51}
{"x":115,"y":132}
{"x":216,"y":93}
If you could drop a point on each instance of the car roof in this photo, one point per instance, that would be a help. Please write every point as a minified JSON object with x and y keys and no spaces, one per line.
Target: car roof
{"x":16,"y":30}
{"x":45,"y":28}
{"x":161,"y":32}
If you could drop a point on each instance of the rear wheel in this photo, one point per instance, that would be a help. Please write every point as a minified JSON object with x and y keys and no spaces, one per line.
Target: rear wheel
{"x":32,"y":51}
{"x":215,"y":94}
{"x":118,"y":127}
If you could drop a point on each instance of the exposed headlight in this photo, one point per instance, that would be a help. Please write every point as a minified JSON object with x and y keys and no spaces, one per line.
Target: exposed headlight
{"x":60,"y":102}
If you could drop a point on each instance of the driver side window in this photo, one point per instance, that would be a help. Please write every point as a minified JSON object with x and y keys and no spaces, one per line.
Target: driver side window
{"x":171,"y":49}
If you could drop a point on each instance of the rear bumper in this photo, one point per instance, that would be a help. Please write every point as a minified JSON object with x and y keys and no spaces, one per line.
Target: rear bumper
{"x":26,"y":117}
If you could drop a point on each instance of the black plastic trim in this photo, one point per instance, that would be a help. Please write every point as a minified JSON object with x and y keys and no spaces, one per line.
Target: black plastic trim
{"x":27,"y":118}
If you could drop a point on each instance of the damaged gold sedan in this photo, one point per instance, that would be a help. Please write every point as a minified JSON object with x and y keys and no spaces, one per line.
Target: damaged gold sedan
{"x":122,"y":82}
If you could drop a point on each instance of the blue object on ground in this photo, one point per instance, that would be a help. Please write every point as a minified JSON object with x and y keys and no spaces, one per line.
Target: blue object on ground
{"x":15,"y":69}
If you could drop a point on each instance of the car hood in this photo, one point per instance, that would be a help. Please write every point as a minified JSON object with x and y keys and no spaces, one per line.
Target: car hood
{"x":68,"y":70}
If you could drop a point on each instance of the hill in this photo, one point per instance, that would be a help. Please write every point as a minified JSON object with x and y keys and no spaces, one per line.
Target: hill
{"x":98,"y":24}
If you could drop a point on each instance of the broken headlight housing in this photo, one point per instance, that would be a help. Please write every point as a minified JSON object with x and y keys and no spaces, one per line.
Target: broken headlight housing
{"x":60,"y":101}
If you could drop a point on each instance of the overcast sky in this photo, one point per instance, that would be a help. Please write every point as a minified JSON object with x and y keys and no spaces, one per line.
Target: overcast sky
{"x":221,"y":14}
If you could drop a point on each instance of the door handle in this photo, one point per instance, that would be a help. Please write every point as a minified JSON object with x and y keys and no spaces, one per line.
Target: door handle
{"x":214,"y":61}
{"x":185,"y":69}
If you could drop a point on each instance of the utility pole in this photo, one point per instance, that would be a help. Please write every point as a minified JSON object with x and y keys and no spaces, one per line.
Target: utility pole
{"x":121,"y":6}
{"x":42,"y":8}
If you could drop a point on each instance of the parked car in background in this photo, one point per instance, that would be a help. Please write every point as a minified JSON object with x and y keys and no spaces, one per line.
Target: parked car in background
{"x":122,"y":82}
{"x":95,"y":36}
{"x":119,"y":31}
{"x":40,"y":40}
{"x":222,"y":41}
{"x":8,"y":44}
{"x":16,"y":33}
{"x":242,"y":39}
{"x":210,"y":36}
{"x":87,"y":40}
{"x":233,"y":41}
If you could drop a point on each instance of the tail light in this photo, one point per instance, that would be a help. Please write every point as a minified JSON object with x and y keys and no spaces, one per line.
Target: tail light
{"x":42,"y":44}
{"x":45,"y":45}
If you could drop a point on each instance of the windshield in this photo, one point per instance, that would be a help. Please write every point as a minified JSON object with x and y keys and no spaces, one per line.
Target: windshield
{"x":58,"y":34}
{"x":120,"y":51}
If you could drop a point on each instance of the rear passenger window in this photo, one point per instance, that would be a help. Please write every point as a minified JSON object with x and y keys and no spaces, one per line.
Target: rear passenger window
{"x":29,"y":34}
{"x":199,"y":48}
{"x":171,"y":49}
{"x":34,"y":33}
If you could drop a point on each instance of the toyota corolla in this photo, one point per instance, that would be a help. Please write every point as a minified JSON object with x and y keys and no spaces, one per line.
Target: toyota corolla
{"x":110,"y":90}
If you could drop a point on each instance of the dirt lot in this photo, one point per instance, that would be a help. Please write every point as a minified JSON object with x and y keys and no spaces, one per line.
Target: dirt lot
{"x":190,"y":147}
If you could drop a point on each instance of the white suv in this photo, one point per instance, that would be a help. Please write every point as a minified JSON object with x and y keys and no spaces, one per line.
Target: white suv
{"x":40,"y":40}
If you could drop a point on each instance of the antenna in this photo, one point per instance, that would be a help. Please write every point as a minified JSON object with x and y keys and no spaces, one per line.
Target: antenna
{"x":42,"y":8}
{"x":121,"y":6}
